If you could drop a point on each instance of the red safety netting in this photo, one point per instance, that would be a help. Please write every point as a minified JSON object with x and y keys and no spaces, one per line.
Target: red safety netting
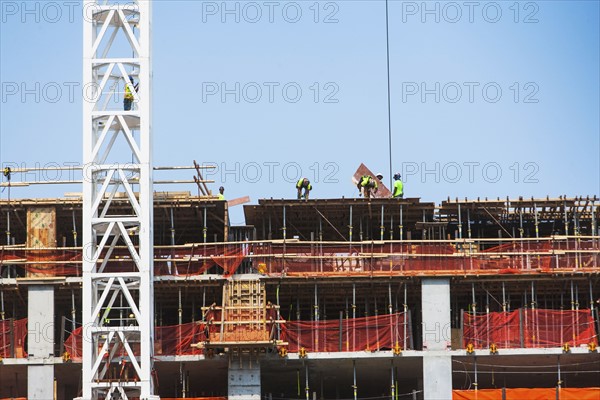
{"x":539,"y":328}
{"x":73,"y":344}
{"x":177,"y":339}
{"x":299,"y":258}
{"x":13,"y":334}
{"x":168,"y":340}
{"x":356,"y":334}
{"x":230,"y":260}
{"x":591,"y":393}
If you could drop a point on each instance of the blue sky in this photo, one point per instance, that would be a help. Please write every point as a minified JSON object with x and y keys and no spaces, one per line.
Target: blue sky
{"x":488,"y":99}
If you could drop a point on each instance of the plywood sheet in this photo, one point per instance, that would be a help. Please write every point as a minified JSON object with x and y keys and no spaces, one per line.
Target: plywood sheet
{"x":382,"y":191}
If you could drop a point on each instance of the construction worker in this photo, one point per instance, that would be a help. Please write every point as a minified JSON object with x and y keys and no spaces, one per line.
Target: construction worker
{"x":7,"y":172}
{"x":367,"y":186}
{"x":221,"y":191}
{"x":398,"y":186}
{"x":303,"y":183}
{"x":128,"y":99}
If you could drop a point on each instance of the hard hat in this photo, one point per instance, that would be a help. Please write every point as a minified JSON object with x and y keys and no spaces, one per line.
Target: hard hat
{"x":379,"y":175}
{"x":221,"y":188}
{"x":397,"y":175}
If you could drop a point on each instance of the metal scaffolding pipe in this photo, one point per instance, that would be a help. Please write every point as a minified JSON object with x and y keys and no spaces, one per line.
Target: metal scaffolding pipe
{"x":459,"y":223}
{"x":400,"y":226}
{"x":306,"y":388}
{"x":8,"y":227}
{"x":405,"y":314}
{"x":74,"y":230}
{"x":350,"y":227}
{"x":594,"y":228}
{"x":521,"y":230}
{"x":503,"y":297}
{"x":536,"y":222}
{"x":284,"y":228}
{"x":393,"y":383}
{"x":565,"y":217}
{"x":354,"y":387}
{"x":204,"y":227}
{"x":469,"y":223}
{"x":381,"y":227}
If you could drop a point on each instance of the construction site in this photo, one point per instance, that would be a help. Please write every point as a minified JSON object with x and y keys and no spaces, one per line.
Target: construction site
{"x":121,"y":291}
{"x":328,"y":299}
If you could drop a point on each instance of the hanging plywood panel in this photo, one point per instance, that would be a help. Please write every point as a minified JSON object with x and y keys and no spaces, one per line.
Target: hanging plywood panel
{"x":41,"y":234}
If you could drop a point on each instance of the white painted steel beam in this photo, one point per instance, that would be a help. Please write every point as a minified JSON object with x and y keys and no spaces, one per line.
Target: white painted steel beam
{"x":117,"y":44}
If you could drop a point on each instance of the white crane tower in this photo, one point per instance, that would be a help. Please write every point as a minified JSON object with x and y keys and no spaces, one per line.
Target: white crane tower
{"x":117,"y":153}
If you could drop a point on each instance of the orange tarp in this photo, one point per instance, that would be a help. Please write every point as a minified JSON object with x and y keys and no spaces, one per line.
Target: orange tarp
{"x":529,"y":394}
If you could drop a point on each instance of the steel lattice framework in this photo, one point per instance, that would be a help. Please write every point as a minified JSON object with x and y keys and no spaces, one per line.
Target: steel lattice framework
{"x":117,"y":153}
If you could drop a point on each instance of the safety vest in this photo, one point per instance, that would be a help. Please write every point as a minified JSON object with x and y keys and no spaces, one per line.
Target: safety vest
{"x":398,"y":188}
{"x":367,"y":180}
{"x":300,"y":184}
{"x":128,"y":93}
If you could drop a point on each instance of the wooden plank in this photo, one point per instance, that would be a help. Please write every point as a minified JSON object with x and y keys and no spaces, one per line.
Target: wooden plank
{"x":238,"y":201}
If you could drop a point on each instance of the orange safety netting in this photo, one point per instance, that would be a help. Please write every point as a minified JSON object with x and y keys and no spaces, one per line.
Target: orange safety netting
{"x":329,"y":259}
{"x":357,"y":334}
{"x":230,"y":260}
{"x":177,"y":339}
{"x":540,"y":328}
{"x":12,"y":338}
{"x":168,"y":340}
{"x":73,"y":344}
{"x":592,"y":393}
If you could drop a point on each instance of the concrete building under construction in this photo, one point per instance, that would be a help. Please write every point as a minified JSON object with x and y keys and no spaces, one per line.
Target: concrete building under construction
{"x":123,"y":292}
{"x":326,"y":299}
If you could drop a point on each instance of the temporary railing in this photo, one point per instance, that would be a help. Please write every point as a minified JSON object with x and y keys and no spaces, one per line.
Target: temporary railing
{"x":293,"y":257}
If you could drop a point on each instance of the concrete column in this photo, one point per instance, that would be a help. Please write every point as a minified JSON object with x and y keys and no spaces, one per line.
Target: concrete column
{"x":40,"y":342}
{"x":437,"y":363}
{"x":244,"y":379}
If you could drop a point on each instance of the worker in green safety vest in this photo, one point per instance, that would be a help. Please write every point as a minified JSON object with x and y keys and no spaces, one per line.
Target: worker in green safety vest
{"x":398,"y":187}
{"x":303,"y":183}
{"x":128,"y":99}
{"x":221,"y":193}
{"x":367,"y":186}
